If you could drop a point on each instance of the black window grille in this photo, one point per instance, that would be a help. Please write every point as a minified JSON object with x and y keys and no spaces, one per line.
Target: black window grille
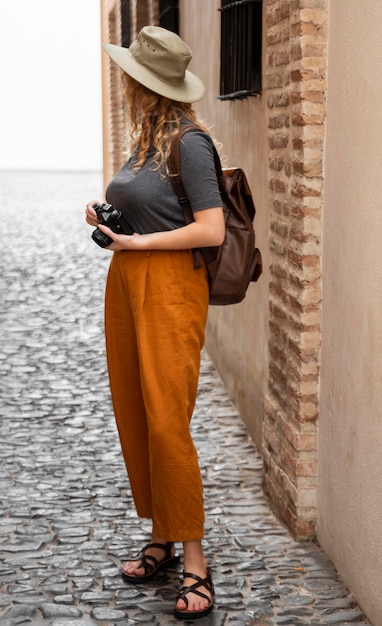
{"x":169,"y":15}
{"x":241,"y":44}
{"x":125,"y":23}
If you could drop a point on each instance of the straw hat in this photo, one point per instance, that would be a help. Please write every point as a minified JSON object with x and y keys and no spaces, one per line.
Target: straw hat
{"x":158,"y":59}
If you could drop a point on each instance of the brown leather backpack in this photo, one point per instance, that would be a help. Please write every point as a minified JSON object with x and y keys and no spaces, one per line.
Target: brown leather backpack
{"x":237,"y":262}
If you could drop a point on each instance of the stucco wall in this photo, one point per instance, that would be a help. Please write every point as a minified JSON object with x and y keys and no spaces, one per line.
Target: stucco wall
{"x":237,"y":336}
{"x":350,"y":459}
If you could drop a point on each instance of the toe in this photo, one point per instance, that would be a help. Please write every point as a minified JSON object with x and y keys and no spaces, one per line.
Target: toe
{"x":195,"y":604}
{"x":181,"y":605}
{"x":132,"y":569}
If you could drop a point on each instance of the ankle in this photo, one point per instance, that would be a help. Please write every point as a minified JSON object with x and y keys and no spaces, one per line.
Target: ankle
{"x":194,"y":558}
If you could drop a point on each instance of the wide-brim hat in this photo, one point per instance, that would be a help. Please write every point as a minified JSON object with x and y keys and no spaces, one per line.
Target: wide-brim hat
{"x":158,"y":59}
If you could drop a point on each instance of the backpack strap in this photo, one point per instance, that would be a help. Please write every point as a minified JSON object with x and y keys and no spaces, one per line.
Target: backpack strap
{"x":174,"y":168}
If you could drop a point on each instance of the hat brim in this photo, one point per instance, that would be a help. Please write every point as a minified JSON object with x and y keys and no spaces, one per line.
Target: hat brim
{"x":191,"y":90}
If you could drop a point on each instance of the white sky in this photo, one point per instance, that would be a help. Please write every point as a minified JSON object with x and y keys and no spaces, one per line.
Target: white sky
{"x":50,"y":85}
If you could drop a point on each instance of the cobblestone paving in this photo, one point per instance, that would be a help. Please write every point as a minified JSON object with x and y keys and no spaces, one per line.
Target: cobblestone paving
{"x":66,"y":514}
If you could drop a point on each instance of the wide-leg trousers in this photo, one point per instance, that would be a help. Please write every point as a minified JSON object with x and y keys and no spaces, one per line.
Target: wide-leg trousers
{"x":155,"y":315}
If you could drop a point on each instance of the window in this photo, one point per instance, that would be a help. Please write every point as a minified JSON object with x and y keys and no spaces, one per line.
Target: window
{"x":240,"y":53}
{"x":169,"y":15}
{"x":125,"y":23}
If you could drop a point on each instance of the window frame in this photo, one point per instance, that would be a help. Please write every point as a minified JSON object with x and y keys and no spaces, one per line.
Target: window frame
{"x":240,"y":49}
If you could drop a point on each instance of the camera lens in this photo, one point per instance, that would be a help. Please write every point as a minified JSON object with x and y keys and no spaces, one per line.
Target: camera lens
{"x":101,"y":239}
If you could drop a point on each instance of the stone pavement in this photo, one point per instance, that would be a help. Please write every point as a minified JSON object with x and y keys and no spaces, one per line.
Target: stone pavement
{"x":66,"y":515}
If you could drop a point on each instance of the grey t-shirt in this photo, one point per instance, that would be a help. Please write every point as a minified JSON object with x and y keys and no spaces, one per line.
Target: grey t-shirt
{"x":147,"y":198}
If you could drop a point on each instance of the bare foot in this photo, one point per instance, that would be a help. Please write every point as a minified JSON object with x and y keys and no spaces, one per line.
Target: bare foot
{"x":195,"y":603}
{"x":195,"y":563}
{"x":136,"y":567}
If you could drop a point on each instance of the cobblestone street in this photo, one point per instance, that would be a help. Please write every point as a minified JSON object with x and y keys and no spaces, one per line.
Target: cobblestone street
{"x":67,"y":520}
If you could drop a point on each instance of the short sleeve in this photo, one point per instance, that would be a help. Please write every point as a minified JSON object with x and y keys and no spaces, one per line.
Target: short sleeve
{"x":198,"y":171}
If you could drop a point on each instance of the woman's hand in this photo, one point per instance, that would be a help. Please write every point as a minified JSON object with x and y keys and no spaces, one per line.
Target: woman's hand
{"x":91,"y":215}
{"x":120,"y":242}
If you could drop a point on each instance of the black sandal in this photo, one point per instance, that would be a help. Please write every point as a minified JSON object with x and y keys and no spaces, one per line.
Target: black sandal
{"x":182,"y":595}
{"x":150,"y":564}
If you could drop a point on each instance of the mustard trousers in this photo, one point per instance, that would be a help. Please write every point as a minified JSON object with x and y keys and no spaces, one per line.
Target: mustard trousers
{"x":155,"y":315}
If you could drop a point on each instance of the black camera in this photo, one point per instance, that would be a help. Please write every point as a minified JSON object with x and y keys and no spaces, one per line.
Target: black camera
{"x":113,"y":219}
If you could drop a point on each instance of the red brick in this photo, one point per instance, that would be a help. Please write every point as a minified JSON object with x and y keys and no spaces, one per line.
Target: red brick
{"x":278,"y":140}
{"x":304,"y":190}
{"x":278,"y":121}
{"x":282,"y":57}
{"x":277,"y":164}
{"x":301,"y":119}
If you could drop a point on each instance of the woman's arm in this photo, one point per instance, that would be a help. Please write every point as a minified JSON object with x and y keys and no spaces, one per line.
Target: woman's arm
{"x":208,"y":229}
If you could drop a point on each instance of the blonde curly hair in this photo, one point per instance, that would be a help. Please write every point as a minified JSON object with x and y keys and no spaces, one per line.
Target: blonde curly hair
{"x":143,"y":105}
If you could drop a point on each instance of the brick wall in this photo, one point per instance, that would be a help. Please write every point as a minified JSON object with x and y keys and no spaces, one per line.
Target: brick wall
{"x":295,"y":89}
{"x":113,"y":116}
{"x":140,"y":16}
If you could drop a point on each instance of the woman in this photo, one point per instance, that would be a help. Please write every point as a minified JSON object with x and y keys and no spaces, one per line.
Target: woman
{"x":156,"y":307}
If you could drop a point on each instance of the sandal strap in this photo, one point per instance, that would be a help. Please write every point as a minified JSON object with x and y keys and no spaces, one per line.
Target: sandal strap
{"x":194,"y":588}
{"x":154,"y":562}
